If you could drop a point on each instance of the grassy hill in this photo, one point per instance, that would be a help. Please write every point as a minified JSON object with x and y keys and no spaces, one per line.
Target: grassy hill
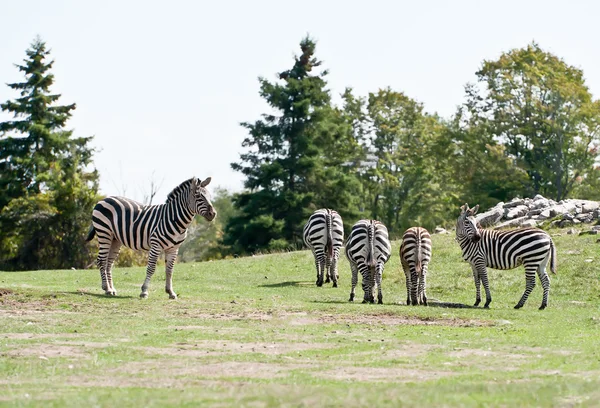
{"x":257,"y":332}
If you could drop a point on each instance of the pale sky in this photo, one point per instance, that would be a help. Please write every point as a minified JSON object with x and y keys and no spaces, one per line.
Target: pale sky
{"x":163,"y":85}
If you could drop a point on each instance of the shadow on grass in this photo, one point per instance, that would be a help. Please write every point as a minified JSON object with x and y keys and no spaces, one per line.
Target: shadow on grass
{"x":450,"y":305}
{"x":339,"y":302}
{"x":289,"y":283}
{"x":100,"y":295}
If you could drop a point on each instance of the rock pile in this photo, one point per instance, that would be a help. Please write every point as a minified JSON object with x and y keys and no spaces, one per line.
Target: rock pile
{"x":532,"y":212}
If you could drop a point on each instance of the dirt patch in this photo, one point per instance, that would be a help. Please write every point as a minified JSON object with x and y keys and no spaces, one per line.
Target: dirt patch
{"x":395,"y":320}
{"x":5,"y":291}
{"x":303,"y":319}
{"x":28,"y":336}
{"x":170,"y":369}
{"x":49,"y":351}
{"x":221,"y":347}
{"x":382,"y":374}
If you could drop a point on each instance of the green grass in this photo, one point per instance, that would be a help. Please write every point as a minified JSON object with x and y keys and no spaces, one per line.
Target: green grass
{"x":257,"y":332}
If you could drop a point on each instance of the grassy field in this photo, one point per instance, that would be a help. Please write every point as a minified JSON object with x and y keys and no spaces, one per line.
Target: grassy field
{"x":257,"y":332}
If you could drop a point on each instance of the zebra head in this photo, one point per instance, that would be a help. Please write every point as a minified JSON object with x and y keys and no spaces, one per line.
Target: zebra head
{"x":466,"y":225}
{"x":201,"y":199}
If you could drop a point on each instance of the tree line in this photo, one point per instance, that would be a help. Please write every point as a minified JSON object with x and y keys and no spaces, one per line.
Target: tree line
{"x":528,"y":125}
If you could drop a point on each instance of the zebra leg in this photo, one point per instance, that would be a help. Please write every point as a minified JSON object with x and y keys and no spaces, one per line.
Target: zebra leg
{"x":545,"y":280}
{"x":422,"y":296}
{"x":406,"y":269}
{"x":354,"y":270}
{"x":378,"y":276}
{"x":152,"y":259}
{"x":477,"y":285}
{"x":327,"y":272}
{"x":320,"y":264}
{"x":367,"y":286}
{"x":483,"y":277}
{"x":529,"y":284}
{"x":414,"y":283}
{"x":170,"y":256}
{"x":104,"y":246}
{"x":112,"y":256}
{"x":333,"y":271}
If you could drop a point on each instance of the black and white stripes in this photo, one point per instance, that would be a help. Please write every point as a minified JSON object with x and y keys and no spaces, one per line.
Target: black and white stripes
{"x":368,"y":248}
{"x":531,"y":247}
{"x":120,"y":221}
{"x":324,"y":235}
{"x":415,"y":254}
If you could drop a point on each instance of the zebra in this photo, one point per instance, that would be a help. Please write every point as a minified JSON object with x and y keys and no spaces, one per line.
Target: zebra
{"x":530,"y":247}
{"x":415,"y":254}
{"x":324,"y":235}
{"x":120,"y":221}
{"x":368,"y":248}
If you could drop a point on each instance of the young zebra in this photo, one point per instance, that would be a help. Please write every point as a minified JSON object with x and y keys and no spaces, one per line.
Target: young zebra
{"x":368,"y":248}
{"x":415,"y":254}
{"x":324,"y":235}
{"x":120,"y":221}
{"x":530,"y":247}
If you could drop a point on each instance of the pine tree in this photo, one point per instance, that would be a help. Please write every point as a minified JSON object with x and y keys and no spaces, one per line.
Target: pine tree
{"x":292,"y":165}
{"x":46,"y":192}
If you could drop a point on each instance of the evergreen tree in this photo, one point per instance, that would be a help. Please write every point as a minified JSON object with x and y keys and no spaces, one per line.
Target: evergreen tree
{"x":294,"y":163}
{"x":46,"y":192}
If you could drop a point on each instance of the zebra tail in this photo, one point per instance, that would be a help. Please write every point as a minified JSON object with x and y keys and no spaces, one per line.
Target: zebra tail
{"x":329,"y":244}
{"x":553,"y":257}
{"x":91,"y":233}
{"x":371,"y":237}
{"x":418,"y":266}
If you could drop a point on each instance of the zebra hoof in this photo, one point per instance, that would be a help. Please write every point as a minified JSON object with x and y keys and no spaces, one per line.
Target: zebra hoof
{"x":143,"y":295}
{"x":380,"y":302}
{"x":173,"y":296}
{"x":477,"y":302}
{"x":542,"y":307}
{"x":335,"y":284}
{"x":518,"y":306}
{"x":319,"y":283}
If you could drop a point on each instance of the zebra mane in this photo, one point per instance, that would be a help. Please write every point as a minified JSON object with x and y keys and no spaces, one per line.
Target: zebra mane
{"x":173,"y":194}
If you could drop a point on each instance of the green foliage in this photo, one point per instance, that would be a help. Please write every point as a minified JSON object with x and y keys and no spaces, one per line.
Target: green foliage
{"x":483,"y":172}
{"x":204,"y":239}
{"x":540,"y":109}
{"x":47,"y":192}
{"x":294,"y":163}
{"x":409,"y":183}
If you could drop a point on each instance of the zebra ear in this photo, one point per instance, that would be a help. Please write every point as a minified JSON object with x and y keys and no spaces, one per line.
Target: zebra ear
{"x":474,"y":209}
{"x":464,"y":208}
{"x":205,"y":182}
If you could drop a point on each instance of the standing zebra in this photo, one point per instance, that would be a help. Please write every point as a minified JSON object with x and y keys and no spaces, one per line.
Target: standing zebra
{"x":120,"y":221}
{"x":324,"y":235}
{"x":368,"y":248}
{"x":530,"y":247}
{"x":415,"y":254}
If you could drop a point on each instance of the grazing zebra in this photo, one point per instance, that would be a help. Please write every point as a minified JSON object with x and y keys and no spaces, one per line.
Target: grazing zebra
{"x":530,"y":247}
{"x":368,"y":248}
{"x":415,"y":254}
{"x":120,"y":221}
{"x":324,"y":235}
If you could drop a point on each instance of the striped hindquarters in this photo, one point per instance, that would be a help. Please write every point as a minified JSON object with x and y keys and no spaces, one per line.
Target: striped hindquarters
{"x":126,"y":220}
{"x":416,"y":247}
{"x":324,"y":232}
{"x":368,"y":243}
